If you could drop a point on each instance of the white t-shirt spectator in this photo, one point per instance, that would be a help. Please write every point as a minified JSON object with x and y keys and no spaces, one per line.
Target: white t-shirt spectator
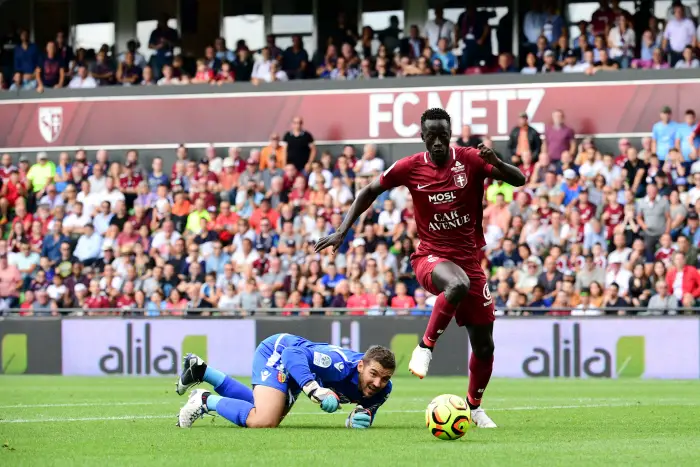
{"x":680,"y":33}
{"x":80,"y":83}
{"x":623,"y":44}
{"x":113,"y":196}
{"x":694,"y":63}
{"x":693,"y":195}
{"x":621,"y":278}
{"x":434,"y":32}
{"x":327,"y":176}
{"x":74,"y":221}
{"x":56,"y":291}
{"x":169,"y":81}
{"x":619,"y":256}
{"x":240,"y":258}
{"x":261,"y":69}
{"x":97,"y":184}
{"x":341,"y":195}
{"x":589,"y":170}
{"x":369,"y":166}
{"x":389,"y":220}
{"x":611,"y":174}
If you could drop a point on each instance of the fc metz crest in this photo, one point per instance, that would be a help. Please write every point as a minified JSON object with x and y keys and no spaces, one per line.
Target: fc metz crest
{"x":50,"y":123}
{"x":460,"y":180}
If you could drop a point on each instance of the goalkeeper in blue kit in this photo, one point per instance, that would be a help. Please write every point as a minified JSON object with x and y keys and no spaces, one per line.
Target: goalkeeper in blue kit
{"x":284,"y":366}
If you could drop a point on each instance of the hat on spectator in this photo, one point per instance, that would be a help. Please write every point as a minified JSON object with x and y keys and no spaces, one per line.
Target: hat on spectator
{"x":23,"y":159}
{"x":358,"y":242}
{"x":549,"y":53}
{"x":665,"y":109}
{"x":693,"y":216}
{"x":259,"y":246}
{"x":570,"y":53}
{"x":204,"y":160}
{"x":523,"y":115}
{"x":254,"y":158}
{"x":80,"y":287}
{"x":228,"y":162}
{"x":42,"y":156}
{"x":107,"y":247}
{"x":570,"y":174}
{"x":585,"y":292}
{"x":291,"y":243}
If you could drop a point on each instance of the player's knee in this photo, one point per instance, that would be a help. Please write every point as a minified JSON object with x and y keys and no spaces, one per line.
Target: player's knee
{"x":457,"y":289}
{"x":483,"y":351}
{"x":261,"y":422}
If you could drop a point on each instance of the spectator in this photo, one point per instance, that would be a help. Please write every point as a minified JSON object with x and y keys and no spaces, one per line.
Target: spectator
{"x":300,"y":146}
{"x":679,"y":33}
{"x":683,"y":281}
{"x":168,"y":77}
{"x":524,"y":138}
{"x":369,"y":164}
{"x":654,"y":218}
{"x":434,"y":30}
{"x":102,"y":71}
{"x":622,"y":42}
{"x":295,"y":60}
{"x":662,"y":302}
{"x":412,"y":45}
{"x":613,"y":302}
{"x":602,"y":18}
{"x":688,"y":59}
{"x":163,"y":40}
{"x":243,"y":66}
{"x":11,"y":283}
{"x":132,"y":47}
{"x":82,"y":80}
{"x":26,"y":55}
{"x":49,"y":72}
{"x":664,"y":134}
{"x":558,"y":137}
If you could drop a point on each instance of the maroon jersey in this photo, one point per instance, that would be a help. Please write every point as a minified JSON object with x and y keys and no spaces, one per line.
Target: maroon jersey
{"x":664,"y":255}
{"x":587,"y":211}
{"x":527,"y":171}
{"x":545,"y":214}
{"x":447,"y":201}
{"x":615,"y":216}
{"x":129,"y":182}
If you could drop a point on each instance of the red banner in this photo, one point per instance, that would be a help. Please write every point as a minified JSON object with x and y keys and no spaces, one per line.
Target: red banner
{"x":383,"y":115}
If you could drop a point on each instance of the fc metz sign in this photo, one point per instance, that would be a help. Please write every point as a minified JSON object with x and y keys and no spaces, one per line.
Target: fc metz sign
{"x":334,"y":116}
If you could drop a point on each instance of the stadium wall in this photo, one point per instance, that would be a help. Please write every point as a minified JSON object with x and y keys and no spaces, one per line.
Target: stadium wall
{"x":156,"y":119}
{"x":663,"y":348}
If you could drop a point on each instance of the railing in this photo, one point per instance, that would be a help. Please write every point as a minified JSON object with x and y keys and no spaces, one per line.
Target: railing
{"x":187,"y":312}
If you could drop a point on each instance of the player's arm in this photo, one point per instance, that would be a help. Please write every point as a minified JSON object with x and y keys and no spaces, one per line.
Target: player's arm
{"x":296,"y":361}
{"x":501,"y":170}
{"x":362,"y":202}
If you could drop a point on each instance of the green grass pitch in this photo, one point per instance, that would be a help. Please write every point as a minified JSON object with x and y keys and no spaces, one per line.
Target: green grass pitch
{"x":131,"y":421}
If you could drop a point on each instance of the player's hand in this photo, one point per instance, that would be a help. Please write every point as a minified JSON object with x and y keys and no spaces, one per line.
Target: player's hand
{"x":359,"y":418}
{"x":335,"y":240}
{"x":488,"y":154}
{"x":327,"y":399}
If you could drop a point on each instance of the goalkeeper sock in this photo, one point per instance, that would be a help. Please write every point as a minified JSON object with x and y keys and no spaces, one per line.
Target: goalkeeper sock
{"x":233,"y":410}
{"x":227,"y":386}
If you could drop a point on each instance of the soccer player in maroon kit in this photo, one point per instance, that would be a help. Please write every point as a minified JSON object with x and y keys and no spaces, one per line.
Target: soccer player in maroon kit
{"x":447,"y":187}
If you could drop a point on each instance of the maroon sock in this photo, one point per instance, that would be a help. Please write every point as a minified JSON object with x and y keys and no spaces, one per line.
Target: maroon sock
{"x":479,"y":376}
{"x":440,"y":318}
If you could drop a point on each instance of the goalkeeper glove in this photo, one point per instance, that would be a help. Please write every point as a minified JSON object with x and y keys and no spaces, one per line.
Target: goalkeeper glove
{"x":327,"y":399}
{"x":359,"y":418}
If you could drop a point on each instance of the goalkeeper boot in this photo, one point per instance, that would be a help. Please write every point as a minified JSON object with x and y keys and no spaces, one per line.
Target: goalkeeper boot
{"x":481,"y":419}
{"x":420,"y":361}
{"x":193,"y":368}
{"x":194,"y":409}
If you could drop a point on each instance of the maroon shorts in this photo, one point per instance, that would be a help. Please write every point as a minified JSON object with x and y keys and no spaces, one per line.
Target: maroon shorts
{"x":477,"y":308}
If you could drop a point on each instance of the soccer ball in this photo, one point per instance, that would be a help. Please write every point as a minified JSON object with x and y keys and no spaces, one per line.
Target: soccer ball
{"x":448,"y":417}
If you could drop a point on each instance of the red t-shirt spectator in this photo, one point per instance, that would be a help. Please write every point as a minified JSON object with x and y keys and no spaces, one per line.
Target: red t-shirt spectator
{"x":209,"y":200}
{"x":14,"y":192}
{"x":587,"y":211}
{"x":358,"y":301}
{"x":258,"y":215}
{"x":97,"y":301}
{"x":208,"y":177}
{"x":129,"y":182}
{"x":204,"y":76}
{"x":124,"y":301}
{"x":600,"y":19}
{"x":403,"y":302}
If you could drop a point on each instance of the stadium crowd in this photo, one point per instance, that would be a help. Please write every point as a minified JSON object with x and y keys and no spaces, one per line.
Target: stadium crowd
{"x":593,"y":232}
{"x":613,"y":39}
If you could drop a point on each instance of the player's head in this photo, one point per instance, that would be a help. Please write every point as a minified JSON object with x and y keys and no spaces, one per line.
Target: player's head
{"x":436,"y":131}
{"x":375,"y":370}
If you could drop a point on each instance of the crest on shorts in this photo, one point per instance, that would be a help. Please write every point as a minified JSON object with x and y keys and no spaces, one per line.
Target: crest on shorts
{"x":50,"y":123}
{"x":460,"y":180}
{"x":487,"y":292}
{"x":281,"y":377}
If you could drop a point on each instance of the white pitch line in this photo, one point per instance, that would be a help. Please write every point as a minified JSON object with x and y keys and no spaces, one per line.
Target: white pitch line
{"x":82,"y":404}
{"x":499,"y":409}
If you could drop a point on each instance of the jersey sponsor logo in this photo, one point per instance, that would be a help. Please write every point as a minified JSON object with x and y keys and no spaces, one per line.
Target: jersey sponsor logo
{"x":50,"y":123}
{"x":442,"y":198}
{"x":264,"y":375}
{"x":281,"y":377}
{"x":322,"y":360}
{"x":448,"y":221}
{"x":460,"y":180}
{"x":432,"y":259}
{"x":459,"y":167}
{"x":339,"y":366}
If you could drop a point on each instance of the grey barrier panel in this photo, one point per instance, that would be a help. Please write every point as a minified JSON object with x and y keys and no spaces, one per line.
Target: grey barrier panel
{"x":31,"y":346}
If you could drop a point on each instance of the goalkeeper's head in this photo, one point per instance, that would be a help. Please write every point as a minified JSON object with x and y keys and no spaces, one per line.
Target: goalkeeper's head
{"x":375,"y":369}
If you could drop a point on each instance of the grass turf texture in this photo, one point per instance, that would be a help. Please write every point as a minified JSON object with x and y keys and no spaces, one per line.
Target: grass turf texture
{"x":131,"y":421}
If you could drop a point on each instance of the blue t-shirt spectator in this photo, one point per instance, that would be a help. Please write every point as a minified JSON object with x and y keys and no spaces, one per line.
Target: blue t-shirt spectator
{"x":505,"y":260}
{"x":26,"y":60}
{"x":50,"y":71}
{"x":330,"y":282}
{"x":154,"y":181}
{"x":448,"y":60}
{"x":570,"y":194}
{"x":664,"y":134}
{"x":683,"y":132}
